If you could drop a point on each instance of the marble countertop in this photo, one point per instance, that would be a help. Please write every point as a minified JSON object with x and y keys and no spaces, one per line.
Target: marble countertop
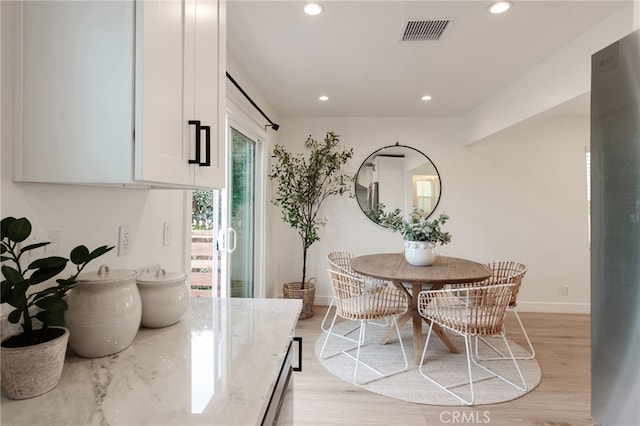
{"x":217,"y":366}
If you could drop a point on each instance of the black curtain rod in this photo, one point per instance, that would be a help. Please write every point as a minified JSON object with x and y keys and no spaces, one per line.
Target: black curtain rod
{"x":273,"y":125}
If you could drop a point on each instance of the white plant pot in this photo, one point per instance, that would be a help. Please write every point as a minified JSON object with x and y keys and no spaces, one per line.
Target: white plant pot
{"x":419,"y":253}
{"x":30,"y":371}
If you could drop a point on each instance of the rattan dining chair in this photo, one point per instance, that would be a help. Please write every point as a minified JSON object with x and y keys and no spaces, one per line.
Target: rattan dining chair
{"x":340,"y":261}
{"x":354,"y":302}
{"x":509,"y":272}
{"x":475,"y":311}
{"x":505,"y":271}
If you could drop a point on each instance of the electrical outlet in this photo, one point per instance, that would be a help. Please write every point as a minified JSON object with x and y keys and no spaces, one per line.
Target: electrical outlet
{"x":565,"y":290}
{"x":124,"y":240}
{"x":166,"y":234}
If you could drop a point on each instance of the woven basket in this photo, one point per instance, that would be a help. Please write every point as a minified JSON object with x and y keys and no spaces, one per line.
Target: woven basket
{"x":293,"y":291}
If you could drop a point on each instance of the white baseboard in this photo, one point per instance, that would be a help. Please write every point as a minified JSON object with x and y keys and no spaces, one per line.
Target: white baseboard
{"x":550,"y":307}
{"x":555,"y":307}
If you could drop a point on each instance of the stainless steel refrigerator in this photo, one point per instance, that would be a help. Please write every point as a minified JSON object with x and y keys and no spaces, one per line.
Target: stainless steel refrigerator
{"x":615,"y":231}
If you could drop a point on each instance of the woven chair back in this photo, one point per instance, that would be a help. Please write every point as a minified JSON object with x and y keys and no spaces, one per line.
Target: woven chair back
{"x":475,"y":310}
{"x":340,"y":261}
{"x":354,"y":301}
{"x":504,"y":272}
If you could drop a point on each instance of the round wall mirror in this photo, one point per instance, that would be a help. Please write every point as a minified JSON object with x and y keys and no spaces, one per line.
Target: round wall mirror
{"x":397,"y":176}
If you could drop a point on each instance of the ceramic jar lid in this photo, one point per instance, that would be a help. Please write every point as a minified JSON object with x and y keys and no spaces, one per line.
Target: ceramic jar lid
{"x":161,"y":277}
{"x":105,"y":274}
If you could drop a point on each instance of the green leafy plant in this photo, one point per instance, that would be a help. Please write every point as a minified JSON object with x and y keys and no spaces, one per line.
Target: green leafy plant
{"x":416,"y":227}
{"x":17,"y":284}
{"x":202,"y":209}
{"x":304,"y":183}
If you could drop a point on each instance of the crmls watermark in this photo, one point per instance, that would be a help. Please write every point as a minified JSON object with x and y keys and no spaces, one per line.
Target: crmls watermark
{"x":465,"y":417}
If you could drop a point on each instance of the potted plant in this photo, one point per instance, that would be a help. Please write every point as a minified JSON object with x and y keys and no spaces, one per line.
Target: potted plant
{"x":420,"y":235}
{"x":303,"y":183}
{"x":32,"y":360}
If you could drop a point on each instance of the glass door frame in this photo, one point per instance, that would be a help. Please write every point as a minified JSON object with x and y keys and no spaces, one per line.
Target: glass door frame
{"x":237,"y":119}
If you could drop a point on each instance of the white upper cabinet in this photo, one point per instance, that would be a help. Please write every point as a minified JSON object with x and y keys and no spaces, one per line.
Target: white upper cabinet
{"x":121,"y":93}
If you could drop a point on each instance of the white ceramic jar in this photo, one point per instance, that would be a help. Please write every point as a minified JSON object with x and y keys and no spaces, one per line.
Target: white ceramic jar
{"x":165,"y":297}
{"x":104,"y":312}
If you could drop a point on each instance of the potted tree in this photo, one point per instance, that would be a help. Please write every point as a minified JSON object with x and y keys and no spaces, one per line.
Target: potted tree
{"x":419,"y":234}
{"x":32,"y":360}
{"x":303,"y":183}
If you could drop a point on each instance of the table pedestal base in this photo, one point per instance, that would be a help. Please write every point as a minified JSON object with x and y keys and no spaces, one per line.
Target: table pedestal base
{"x":412,"y":313}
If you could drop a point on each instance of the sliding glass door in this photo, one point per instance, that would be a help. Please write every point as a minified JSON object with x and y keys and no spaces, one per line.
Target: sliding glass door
{"x":228,"y":224}
{"x":242,"y":194}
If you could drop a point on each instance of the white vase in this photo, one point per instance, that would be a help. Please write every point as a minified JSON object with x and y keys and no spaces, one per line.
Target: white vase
{"x":419,"y":253}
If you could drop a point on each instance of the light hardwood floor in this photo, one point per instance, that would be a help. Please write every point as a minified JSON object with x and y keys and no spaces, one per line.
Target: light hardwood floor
{"x":562,"y":343}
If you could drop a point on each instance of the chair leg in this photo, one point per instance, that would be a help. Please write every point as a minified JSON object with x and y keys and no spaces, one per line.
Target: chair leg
{"x":515,"y":364}
{"x":501,"y":355}
{"x":361,"y":338}
{"x":359,"y":362}
{"x":384,"y":323}
{"x":467,"y":344}
{"x":326,"y":339}
{"x":470,"y":359}
{"x":532,"y":352}
{"x":323,"y":325}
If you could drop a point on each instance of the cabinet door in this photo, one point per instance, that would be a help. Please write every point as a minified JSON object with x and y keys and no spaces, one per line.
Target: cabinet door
{"x":206,"y":53}
{"x":74,"y":90}
{"x":92,"y":77}
{"x":161,"y":148}
{"x":178,"y":67}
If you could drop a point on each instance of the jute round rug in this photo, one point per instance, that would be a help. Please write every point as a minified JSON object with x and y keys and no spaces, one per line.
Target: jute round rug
{"x":440,"y":363}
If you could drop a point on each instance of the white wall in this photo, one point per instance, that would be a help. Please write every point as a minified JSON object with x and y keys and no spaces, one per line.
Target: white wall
{"x":519,"y":195}
{"x":515,"y":194}
{"x":91,"y":215}
{"x":558,"y":79}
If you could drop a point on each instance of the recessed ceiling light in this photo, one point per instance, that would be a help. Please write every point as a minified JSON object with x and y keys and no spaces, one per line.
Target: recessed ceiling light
{"x":499,"y":7}
{"x":313,"y":9}
{"x":426,"y":98}
{"x":324,"y":98}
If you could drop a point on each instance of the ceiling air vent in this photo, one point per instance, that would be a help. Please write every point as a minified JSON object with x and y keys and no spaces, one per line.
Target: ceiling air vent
{"x":424,"y":30}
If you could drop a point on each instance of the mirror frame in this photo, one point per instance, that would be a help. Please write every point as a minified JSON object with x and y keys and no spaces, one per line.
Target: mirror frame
{"x":367,"y":162}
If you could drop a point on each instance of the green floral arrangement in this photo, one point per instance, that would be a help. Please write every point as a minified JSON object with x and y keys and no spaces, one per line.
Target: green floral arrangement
{"x":416,"y":227}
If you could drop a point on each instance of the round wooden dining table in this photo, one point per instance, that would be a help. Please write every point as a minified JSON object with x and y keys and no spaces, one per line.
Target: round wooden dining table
{"x":412,"y":279}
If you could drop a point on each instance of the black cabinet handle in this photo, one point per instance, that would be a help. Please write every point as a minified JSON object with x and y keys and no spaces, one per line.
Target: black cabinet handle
{"x":207,"y":142}
{"x":197,"y":124}
{"x":299,"y":341}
